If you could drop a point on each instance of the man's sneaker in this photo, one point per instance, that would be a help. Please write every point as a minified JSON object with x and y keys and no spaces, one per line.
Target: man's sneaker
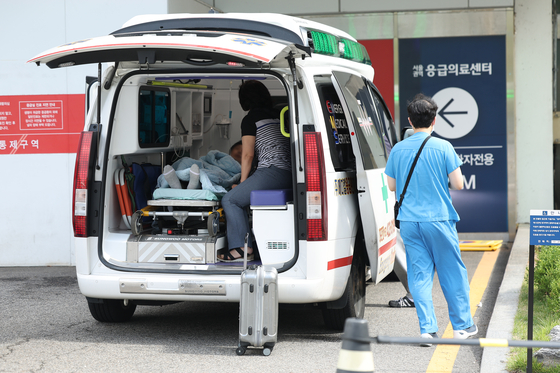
{"x":401,"y":302}
{"x":428,"y":336}
{"x":465,"y":333}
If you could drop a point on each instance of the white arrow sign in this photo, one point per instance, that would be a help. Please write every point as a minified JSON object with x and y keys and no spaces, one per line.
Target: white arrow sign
{"x":457,"y":113}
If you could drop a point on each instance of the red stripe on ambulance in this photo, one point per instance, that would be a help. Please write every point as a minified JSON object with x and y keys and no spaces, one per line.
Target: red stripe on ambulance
{"x":387,"y":246}
{"x":337,"y":263}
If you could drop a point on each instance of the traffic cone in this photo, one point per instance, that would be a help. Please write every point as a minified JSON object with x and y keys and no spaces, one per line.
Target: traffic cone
{"x":356,"y":354}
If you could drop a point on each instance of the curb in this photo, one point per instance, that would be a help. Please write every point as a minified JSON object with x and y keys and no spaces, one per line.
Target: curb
{"x":501,"y":322}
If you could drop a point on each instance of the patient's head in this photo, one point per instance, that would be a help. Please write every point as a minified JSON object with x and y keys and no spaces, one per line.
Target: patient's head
{"x":236,"y":150}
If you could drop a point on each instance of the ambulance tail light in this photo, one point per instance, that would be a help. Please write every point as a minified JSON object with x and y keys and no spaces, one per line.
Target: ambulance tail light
{"x":316,"y":187}
{"x":81,"y":177}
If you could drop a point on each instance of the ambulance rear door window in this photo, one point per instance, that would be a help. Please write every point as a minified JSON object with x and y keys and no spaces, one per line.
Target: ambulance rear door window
{"x":337,"y":129}
{"x":371,"y":137}
{"x":384,"y":115}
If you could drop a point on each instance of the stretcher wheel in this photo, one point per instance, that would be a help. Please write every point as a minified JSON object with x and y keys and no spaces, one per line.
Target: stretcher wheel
{"x":136,"y":225}
{"x":213,"y":223}
{"x":240,"y":351}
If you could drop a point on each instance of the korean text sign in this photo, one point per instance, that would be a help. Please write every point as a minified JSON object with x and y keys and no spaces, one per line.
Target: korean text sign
{"x":545,"y":227}
{"x":40,"y":124}
{"x":466,"y":76}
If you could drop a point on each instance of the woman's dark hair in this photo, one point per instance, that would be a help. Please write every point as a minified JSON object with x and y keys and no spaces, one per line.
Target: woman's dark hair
{"x":254,"y":94}
{"x":422,"y":110}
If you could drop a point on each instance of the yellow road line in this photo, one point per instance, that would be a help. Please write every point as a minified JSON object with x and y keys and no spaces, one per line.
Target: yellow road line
{"x":444,"y":356}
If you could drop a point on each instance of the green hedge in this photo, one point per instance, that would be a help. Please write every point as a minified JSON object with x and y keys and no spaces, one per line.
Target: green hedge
{"x":547,"y":275}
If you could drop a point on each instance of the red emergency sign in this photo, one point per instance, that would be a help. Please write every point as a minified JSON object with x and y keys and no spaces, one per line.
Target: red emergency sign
{"x":40,"y":124}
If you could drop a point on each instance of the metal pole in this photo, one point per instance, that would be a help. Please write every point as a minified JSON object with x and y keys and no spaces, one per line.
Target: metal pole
{"x":481,"y":342}
{"x":530,"y":307}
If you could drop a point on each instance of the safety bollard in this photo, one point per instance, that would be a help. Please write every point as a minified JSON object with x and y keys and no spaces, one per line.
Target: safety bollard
{"x":356,"y":354}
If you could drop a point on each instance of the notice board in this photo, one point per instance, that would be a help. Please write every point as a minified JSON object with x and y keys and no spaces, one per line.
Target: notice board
{"x":41,"y":124}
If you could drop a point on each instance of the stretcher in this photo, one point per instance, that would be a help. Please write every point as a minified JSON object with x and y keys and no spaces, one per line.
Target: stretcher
{"x":184,"y":229}
{"x":188,"y":207}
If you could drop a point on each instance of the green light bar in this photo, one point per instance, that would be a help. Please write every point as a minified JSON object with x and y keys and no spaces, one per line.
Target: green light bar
{"x":332,"y":45}
{"x":355,"y":51}
{"x":324,"y":43}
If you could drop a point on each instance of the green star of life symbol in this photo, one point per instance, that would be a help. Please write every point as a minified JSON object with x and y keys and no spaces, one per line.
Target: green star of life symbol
{"x":385,"y":193}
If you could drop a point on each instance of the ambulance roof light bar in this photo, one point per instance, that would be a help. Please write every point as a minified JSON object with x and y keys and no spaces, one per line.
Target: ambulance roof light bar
{"x":331,"y":45}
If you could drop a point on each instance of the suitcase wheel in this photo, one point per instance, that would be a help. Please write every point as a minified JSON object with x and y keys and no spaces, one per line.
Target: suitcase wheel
{"x":267,"y":351}
{"x":240,"y":351}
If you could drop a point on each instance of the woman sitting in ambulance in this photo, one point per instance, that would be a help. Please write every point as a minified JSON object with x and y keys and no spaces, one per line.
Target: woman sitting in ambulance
{"x":261,"y":138}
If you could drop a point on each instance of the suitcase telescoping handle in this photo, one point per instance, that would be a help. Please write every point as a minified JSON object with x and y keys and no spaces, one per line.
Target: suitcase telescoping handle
{"x":245,"y":251}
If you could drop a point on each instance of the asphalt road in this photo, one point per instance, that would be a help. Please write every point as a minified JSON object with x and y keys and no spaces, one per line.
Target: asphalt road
{"x":45,"y":326}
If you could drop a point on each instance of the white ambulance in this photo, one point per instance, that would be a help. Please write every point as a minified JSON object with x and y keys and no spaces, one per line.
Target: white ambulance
{"x":166,"y":94}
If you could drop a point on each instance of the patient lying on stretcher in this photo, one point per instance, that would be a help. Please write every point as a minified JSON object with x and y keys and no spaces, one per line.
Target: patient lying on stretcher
{"x":216,"y":172}
{"x":205,"y":179}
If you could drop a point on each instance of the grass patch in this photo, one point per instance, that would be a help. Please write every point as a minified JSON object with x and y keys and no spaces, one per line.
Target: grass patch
{"x":545,"y":317}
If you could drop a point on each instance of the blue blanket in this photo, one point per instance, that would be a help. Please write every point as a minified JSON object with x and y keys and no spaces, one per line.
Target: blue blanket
{"x":218,"y":171}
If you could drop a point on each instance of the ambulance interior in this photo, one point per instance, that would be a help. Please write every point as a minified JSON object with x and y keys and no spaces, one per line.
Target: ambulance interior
{"x":181,"y":120}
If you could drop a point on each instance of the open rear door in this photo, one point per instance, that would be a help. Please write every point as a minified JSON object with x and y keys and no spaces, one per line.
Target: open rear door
{"x":183,"y":48}
{"x":371,"y":148}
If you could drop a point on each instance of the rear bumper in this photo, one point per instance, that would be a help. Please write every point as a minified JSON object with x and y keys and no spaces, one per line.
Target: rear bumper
{"x":173,"y":287}
{"x":301,"y":284}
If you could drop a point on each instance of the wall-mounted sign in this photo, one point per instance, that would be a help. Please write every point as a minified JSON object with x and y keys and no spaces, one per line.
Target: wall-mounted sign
{"x":40,"y":124}
{"x":466,"y":76}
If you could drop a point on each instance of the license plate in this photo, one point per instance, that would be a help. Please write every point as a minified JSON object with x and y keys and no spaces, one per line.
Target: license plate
{"x":202,"y":287}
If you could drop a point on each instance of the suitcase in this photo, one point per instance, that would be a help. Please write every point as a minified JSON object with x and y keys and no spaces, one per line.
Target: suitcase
{"x":258,"y":309}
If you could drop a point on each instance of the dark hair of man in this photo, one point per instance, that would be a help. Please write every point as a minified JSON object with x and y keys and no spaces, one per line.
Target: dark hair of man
{"x":253,"y":94}
{"x":422,"y":110}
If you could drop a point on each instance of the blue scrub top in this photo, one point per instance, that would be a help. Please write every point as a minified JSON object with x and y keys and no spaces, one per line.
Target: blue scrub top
{"x":427,"y":197}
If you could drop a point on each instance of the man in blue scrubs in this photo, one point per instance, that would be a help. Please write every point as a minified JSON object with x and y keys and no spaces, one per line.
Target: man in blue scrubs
{"x":428,"y":221}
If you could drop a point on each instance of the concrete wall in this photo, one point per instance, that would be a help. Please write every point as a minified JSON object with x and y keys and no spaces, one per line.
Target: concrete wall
{"x":36,"y":190}
{"x":533,"y":105}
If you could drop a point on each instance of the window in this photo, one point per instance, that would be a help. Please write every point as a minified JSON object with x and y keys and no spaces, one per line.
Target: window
{"x":385,"y":116}
{"x":364,"y":116}
{"x":153,"y":117}
{"x":338,"y":134}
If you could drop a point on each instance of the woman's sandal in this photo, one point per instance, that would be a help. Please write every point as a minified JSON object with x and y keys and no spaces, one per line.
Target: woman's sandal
{"x":227,"y":257}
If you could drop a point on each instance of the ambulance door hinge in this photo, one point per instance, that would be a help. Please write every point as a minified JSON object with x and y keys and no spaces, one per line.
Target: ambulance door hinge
{"x":263,"y":66}
{"x":306,"y":50}
{"x":99,"y":80}
{"x":292,"y":63}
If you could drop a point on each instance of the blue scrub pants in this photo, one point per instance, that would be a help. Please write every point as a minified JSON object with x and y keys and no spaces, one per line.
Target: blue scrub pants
{"x":236,"y":200}
{"x":432,"y":246}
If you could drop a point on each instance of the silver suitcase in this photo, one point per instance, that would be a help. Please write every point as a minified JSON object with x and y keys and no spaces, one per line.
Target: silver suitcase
{"x":258,"y":309}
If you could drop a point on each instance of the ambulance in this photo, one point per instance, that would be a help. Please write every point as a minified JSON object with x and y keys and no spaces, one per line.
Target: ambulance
{"x":167,"y":93}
